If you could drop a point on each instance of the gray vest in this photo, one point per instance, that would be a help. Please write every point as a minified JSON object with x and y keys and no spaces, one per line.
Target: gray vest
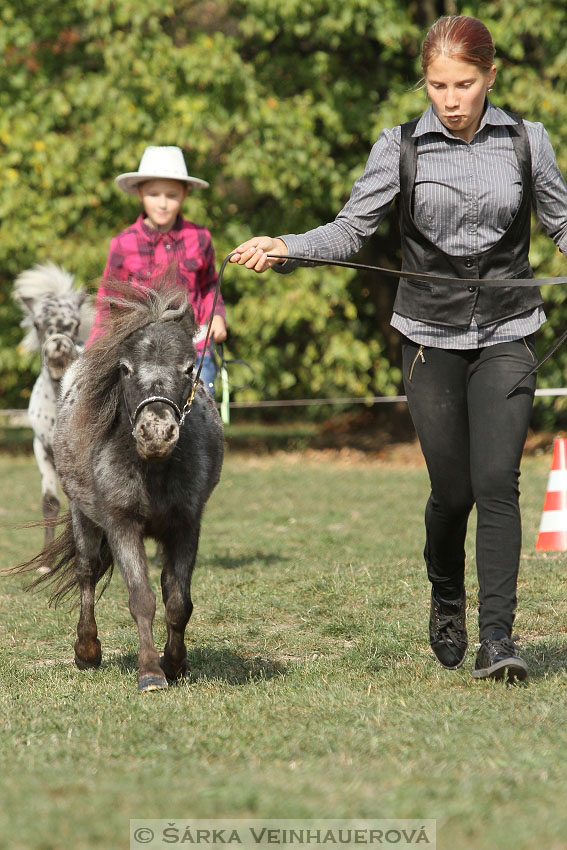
{"x":455,"y":305}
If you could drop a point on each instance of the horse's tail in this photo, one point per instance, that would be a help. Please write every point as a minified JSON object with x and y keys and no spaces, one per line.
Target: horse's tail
{"x":57,"y":564}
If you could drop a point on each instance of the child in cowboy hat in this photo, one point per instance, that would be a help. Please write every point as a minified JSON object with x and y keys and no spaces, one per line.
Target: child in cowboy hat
{"x":160,"y":237}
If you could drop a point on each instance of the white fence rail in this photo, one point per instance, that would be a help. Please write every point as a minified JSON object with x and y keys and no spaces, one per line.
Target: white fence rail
{"x":19,"y":418}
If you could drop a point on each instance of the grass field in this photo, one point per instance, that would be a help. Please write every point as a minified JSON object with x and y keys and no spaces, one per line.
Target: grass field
{"x":313,"y":691}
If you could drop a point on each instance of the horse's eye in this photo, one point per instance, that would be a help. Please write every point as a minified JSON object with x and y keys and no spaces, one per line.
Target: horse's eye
{"x":189,"y":370}
{"x":125,"y":368}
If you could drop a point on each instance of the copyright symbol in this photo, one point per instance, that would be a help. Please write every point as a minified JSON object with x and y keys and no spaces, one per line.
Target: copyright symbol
{"x":143,"y":835}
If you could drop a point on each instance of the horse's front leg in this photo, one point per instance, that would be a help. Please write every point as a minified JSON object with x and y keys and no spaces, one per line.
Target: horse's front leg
{"x":179,"y":559}
{"x":88,"y":538}
{"x":127,"y":547}
{"x":49,"y":500}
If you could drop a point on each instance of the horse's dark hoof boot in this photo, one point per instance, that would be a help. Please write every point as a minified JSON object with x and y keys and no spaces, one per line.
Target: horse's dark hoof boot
{"x":84,"y":664}
{"x":151,"y":682}
{"x":180,"y":673}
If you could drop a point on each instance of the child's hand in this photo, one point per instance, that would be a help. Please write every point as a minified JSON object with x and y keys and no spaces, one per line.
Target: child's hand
{"x":218,"y":329}
{"x":253,"y":253}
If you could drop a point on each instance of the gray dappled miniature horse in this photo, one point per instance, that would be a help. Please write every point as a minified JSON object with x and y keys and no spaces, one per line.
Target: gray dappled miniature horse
{"x":133,"y":466}
{"x":57,"y":318}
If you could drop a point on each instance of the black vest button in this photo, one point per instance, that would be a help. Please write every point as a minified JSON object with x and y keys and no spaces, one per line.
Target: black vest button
{"x":473,"y":288}
{"x":469,"y":263}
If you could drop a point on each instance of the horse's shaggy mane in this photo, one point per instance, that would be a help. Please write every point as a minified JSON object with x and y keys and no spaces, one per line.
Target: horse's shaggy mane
{"x":128,"y":309}
{"x":46,"y":280}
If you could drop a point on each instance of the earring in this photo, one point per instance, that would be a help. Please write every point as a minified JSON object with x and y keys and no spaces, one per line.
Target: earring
{"x":490,"y":89}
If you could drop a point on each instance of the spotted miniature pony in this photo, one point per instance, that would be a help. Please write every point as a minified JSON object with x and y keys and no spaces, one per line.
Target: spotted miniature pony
{"x":57,"y":318}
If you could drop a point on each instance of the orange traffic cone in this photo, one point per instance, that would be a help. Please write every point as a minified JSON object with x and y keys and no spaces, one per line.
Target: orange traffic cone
{"x":553,"y":527}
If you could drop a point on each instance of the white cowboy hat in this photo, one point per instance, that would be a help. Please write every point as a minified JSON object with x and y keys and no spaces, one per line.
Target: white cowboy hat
{"x":158,"y":162}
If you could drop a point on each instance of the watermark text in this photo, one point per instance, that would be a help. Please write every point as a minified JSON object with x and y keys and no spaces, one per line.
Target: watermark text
{"x":285,"y":833}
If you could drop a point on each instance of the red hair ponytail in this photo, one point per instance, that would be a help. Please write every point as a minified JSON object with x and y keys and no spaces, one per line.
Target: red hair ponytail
{"x":458,"y":37}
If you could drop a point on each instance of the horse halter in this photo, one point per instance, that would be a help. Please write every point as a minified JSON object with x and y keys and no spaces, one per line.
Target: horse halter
{"x":153,"y":399}
{"x":53,"y":338}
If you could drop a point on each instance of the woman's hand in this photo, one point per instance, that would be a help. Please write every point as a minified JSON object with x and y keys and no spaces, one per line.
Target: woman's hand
{"x":254,"y":253}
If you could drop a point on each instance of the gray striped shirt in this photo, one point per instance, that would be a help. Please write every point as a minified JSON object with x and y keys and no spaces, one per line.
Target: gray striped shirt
{"x":466,"y":195}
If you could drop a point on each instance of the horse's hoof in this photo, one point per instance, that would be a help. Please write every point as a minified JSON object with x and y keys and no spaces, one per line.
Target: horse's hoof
{"x":181,"y":672}
{"x":151,"y":682}
{"x":88,"y":664}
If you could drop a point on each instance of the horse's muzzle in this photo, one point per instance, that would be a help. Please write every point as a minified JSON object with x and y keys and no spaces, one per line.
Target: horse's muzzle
{"x":156,"y":433}
{"x":58,"y":353}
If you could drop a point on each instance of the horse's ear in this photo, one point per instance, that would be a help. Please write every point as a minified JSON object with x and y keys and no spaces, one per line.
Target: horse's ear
{"x":27,"y":302}
{"x":189,"y":320}
{"x":189,"y":315}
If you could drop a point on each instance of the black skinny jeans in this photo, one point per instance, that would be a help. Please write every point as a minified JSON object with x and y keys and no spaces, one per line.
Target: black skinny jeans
{"x":472,"y":439}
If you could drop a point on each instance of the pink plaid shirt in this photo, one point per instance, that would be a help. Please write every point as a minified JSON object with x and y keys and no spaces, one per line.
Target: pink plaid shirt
{"x":139,"y":253}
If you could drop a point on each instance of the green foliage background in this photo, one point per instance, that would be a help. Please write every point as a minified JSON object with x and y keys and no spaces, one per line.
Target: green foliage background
{"x":276,"y":103}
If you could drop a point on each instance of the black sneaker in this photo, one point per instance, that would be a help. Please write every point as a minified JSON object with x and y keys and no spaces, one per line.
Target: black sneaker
{"x":448,"y":631}
{"x":498,"y":658}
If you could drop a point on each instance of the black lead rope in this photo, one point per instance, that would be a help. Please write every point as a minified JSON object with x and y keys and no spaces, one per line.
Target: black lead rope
{"x":226,"y":362}
{"x":458,"y":281}
{"x":429,"y":278}
{"x":557,"y":344}
{"x":423,"y":278}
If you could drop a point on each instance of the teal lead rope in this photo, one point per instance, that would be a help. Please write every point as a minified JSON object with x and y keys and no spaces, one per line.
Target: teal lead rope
{"x":225,"y":397}
{"x":226,"y":383}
